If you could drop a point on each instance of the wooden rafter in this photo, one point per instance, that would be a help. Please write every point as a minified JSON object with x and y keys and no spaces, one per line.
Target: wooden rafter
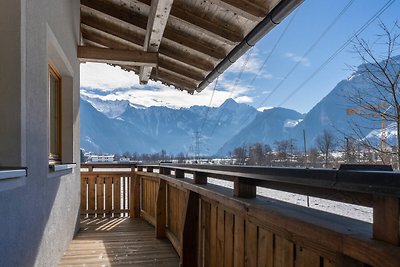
{"x":98,"y":38}
{"x":222,"y":32}
{"x":156,"y":23}
{"x":167,"y":49}
{"x":117,"y":56}
{"x":140,"y":22}
{"x":244,"y":8}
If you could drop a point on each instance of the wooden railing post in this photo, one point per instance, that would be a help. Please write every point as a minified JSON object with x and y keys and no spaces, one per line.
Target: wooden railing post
{"x":165,"y":171}
{"x":200,"y":178}
{"x":190,"y":232}
{"x":179,"y":174}
{"x":161,"y":211}
{"x":140,"y":168}
{"x":149,"y":169}
{"x":386,"y":225}
{"x":241,"y":189}
{"x":135,"y":196}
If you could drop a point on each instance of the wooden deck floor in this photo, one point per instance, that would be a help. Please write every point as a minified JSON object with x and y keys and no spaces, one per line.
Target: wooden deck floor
{"x":118,"y":242}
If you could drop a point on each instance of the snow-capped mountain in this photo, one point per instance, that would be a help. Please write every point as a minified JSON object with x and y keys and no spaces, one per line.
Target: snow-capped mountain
{"x":119,"y":126}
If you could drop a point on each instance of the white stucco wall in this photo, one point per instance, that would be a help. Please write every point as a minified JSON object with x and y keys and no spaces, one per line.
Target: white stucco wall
{"x":39,"y":213}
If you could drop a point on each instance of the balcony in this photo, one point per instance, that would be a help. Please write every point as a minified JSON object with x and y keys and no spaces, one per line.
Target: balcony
{"x":166,"y":215}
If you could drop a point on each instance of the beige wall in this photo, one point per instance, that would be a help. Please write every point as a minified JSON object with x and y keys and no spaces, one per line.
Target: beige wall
{"x":39,"y":213}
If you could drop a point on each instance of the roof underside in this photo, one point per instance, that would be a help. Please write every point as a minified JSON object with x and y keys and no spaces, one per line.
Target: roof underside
{"x":184,"y":43}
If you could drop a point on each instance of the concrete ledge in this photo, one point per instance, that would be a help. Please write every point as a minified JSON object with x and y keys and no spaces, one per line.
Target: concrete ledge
{"x":61,"y":167}
{"x":12,"y":177}
{"x":10,"y":172}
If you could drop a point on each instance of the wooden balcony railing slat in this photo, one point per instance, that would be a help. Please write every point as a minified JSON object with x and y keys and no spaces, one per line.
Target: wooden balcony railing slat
{"x":229,"y":239}
{"x":161,"y":210}
{"x":100,"y":193}
{"x":190,"y":232}
{"x":91,"y":195}
{"x":116,"y":194}
{"x":108,"y":195}
{"x":239,"y":251}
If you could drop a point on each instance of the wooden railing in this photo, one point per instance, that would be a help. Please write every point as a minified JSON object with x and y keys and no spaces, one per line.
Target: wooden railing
{"x":210,"y":225}
{"x":106,"y":189}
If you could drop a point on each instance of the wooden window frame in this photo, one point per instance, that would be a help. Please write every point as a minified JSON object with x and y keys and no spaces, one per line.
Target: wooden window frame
{"x":55,"y":157}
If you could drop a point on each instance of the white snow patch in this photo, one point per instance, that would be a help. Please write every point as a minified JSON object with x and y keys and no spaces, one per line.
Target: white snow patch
{"x":261,"y":109}
{"x":291,"y":123}
{"x":390,"y":131}
{"x":339,"y":208}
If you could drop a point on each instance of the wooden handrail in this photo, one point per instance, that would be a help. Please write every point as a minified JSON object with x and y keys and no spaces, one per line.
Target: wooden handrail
{"x":107,"y":165}
{"x":311,"y":235}
{"x":357,"y":181}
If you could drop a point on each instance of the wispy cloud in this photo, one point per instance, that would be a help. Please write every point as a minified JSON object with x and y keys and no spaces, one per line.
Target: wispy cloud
{"x":116,"y":84}
{"x":296,"y":58}
{"x":105,"y":77}
{"x":253,"y":65}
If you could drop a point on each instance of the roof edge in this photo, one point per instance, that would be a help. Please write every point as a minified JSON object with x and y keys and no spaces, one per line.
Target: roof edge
{"x":268,"y":23}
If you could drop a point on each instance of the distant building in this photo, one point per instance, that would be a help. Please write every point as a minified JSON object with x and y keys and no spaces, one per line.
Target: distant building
{"x":101,"y":158}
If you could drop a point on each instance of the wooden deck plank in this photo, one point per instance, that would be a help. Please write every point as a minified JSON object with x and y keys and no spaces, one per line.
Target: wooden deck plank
{"x":118,"y":242}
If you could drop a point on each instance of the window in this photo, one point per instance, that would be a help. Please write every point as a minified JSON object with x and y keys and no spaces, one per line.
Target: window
{"x":54,"y":115}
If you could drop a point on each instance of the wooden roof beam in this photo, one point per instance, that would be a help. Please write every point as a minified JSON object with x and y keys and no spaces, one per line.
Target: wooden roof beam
{"x":156,"y":23}
{"x":95,"y":37}
{"x":117,"y":56}
{"x":207,"y":48}
{"x":168,"y":78}
{"x":244,"y":8}
{"x":98,"y":23}
{"x":222,"y":32}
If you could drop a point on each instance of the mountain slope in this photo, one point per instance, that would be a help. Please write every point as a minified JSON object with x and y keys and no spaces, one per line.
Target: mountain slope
{"x":331,"y":113}
{"x":269,"y":126}
{"x":102,"y":134}
{"x":160,"y":127}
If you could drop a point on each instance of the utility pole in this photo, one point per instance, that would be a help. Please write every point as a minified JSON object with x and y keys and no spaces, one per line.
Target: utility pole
{"x":347,"y":149}
{"x":305,"y":147}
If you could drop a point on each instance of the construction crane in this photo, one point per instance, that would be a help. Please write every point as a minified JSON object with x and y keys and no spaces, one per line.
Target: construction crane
{"x":362,"y":112}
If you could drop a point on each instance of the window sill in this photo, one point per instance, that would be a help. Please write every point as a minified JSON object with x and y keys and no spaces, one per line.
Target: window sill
{"x":12,"y":172}
{"x":12,"y":177}
{"x":61,"y":167}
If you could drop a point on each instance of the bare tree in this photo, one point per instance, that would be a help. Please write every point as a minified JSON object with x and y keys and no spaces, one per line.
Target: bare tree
{"x":256,"y":154}
{"x":268,"y":155}
{"x":240,"y":154}
{"x":380,"y":102}
{"x":284,"y":150}
{"x":325,"y":143}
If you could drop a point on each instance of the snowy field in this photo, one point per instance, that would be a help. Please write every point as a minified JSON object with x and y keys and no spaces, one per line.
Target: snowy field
{"x":352,"y":211}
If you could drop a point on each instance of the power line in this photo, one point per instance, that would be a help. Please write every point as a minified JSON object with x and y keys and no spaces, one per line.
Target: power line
{"x":309,"y":50}
{"x":274,"y":47}
{"x":338,"y":51}
{"x":341,"y":48}
{"x":234,"y":87}
{"x":209,"y":106}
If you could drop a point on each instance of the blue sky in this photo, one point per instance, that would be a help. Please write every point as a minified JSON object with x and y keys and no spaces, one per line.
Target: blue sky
{"x":287,"y":67}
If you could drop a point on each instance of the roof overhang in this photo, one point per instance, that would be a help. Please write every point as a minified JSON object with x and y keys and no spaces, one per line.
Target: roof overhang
{"x":183,"y":43}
